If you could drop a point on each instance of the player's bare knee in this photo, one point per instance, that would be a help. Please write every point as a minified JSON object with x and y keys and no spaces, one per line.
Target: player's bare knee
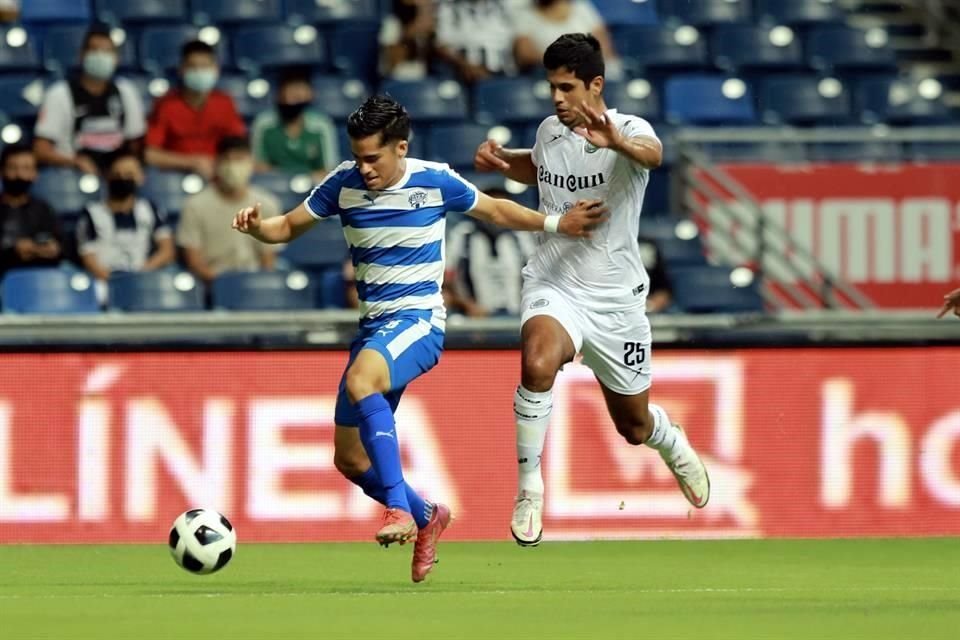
{"x":635,"y":430}
{"x":350,"y":462}
{"x":360,"y":385}
{"x":539,"y":369}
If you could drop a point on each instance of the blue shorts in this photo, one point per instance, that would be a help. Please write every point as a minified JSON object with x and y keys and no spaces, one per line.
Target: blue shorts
{"x":410,"y":345}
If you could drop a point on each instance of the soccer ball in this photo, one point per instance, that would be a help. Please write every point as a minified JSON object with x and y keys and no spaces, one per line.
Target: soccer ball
{"x":202,"y":541}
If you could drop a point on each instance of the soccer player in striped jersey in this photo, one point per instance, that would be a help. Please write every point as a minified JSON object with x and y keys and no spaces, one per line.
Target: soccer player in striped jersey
{"x":393,"y":212}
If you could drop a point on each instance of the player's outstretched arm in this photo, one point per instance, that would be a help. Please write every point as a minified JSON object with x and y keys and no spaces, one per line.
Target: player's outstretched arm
{"x":602,"y":132}
{"x":273,"y":230}
{"x":578,"y":222}
{"x":516,"y":164}
{"x":951,"y":301}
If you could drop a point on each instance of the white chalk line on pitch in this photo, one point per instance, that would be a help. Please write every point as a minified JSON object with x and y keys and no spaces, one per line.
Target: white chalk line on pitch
{"x":495,"y":592}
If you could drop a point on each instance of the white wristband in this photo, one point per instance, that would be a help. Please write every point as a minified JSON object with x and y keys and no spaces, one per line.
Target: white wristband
{"x":551,"y":224}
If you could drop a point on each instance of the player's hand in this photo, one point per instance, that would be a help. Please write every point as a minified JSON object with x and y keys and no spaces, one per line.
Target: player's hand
{"x":951,"y":301}
{"x":598,"y":129}
{"x":487,"y":157}
{"x":583,"y":218}
{"x":247,"y":219}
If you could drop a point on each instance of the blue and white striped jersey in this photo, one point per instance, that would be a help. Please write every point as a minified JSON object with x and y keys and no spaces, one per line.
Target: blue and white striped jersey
{"x":396,"y":236}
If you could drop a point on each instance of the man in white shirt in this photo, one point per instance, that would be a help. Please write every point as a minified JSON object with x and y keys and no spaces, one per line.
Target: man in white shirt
{"x":587,"y":296}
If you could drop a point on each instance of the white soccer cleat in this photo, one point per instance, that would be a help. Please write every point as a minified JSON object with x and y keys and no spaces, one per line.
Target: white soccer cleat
{"x":689,"y":470}
{"x":527,"y":523}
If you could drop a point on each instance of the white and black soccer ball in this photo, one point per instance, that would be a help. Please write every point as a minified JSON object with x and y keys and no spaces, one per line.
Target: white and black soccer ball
{"x":202,"y":541}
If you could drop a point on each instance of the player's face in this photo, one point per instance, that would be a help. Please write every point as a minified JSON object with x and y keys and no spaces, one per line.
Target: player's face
{"x":569,"y":94}
{"x":380,"y":165}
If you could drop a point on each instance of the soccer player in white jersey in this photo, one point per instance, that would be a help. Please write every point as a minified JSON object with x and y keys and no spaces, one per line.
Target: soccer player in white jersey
{"x":393,"y":212}
{"x":587,"y":296}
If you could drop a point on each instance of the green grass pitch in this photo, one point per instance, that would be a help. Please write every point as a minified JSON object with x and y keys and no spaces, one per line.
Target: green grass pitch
{"x":844,"y":589}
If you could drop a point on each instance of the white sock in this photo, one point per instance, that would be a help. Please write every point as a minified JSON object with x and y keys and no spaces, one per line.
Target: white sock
{"x":532,"y":412}
{"x":664,"y":436}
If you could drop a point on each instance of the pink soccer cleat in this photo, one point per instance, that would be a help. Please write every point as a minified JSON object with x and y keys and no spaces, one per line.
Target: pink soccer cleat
{"x":425,"y":551}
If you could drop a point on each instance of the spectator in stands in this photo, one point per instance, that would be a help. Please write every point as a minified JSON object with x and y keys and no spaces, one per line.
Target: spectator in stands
{"x":483,"y":267}
{"x":538,"y":25}
{"x":9,"y":10}
{"x":88,"y":116}
{"x":188,"y":123}
{"x":660,"y":295}
{"x":406,"y":40}
{"x":210,"y":246}
{"x":475,"y":37}
{"x":29,"y":230}
{"x":123,"y":232}
{"x":293,"y":138}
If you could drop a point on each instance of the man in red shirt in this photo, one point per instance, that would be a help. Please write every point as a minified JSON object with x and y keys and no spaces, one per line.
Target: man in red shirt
{"x":189,"y":122}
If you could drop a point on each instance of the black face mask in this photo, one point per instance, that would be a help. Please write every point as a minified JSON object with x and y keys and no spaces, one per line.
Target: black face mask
{"x":545,"y":3}
{"x":121,"y":187}
{"x":17,"y":186}
{"x":290,"y":112}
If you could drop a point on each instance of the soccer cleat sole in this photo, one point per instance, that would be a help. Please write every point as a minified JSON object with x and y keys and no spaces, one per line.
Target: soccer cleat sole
{"x":528,"y":543}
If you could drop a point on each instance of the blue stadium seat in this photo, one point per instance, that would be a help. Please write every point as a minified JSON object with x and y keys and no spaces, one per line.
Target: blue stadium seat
{"x":900,"y":102}
{"x":263,"y":291}
{"x":48,"y":291}
{"x":652,"y":48}
{"x":322,"y":246}
{"x":251,"y":97}
{"x":160,"y":47}
{"x":155,"y":291}
{"x":627,"y":12}
{"x":47,"y":11}
{"x":933,"y":151}
{"x":455,"y":144}
{"x":338,"y":97}
{"x":224,"y":11}
{"x":431,"y":100}
{"x":871,"y":151}
{"x":637,"y":98}
{"x":61,"y":49}
{"x":282,"y":186}
{"x":707,"y":289}
{"x":67,"y":191}
{"x":797,"y":12}
{"x":838,"y":47}
{"x":804,"y":100}
{"x":704,"y":13}
{"x":744,"y":48}
{"x":708,"y":99}
{"x":355,"y":50}
{"x":20,"y":96}
{"x":333,"y":290}
{"x":169,"y":189}
{"x":677,"y":252}
{"x":126,"y":11}
{"x":337,"y":11}
{"x":511,"y":101}
{"x":262,"y":47}
{"x":18,"y":50}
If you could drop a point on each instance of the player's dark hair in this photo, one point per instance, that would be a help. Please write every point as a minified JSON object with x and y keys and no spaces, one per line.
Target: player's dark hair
{"x":123,"y":152}
{"x":14,"y":150}
{"x":380,"y":114}
{"x":293,"y":75}
{"x":579,"y":52}
{"x":96,"y":30}
{"x":196,"y":46}
{"x":232,"y":143}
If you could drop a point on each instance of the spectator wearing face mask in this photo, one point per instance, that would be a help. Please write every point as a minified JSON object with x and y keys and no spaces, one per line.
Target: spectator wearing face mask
{"x":295,"y":138}
{"x":29,"y":231}
{"x":210,"y":246}
{"x":123,"y":232}
{"x":187,"y":124}
{"x":87,"y":117}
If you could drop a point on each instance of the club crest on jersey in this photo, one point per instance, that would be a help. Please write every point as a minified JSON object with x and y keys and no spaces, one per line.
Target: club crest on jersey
{"x":417,"y":199}
{"x":569,"y":182}
{"x":589,"y":147}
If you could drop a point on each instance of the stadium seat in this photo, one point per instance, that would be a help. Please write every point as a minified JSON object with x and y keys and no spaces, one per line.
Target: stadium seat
{"x":48,"y":291}
{"x":336,"y":11}
{"x":265,"y":46}
{"x":637,"y":98}
{"x":456,"y":144}
{"x":289,"y":190}
{"x":869,"y":151}
{"x":263,"y":291}
{"x":838,"y":47}
{"x":62,"y":44}
{"x":704,"y":12}
{"x":797,"y":12}
{"x":251,"y":97}
{"x":18,"y":50}
{"x":430,"y":100}
{"x":627,"y":12}
{"x":160,"y":47}
{"x":226,"y":11}
{"x":652,"y":48}
{"x":511,"y":101}
{"x":322,"y":246}
{"x":48,"y":11}
{"x":355,"y":49}
{"x":338,"y":97}
{"x":67,"y":191}
{"x":679,"y":252}
{"x":333,"y":291}
{"x":155,"y":291}
{"x":900,"y":102}
{"x":708,"y":100}
{"x":745,"y":48}
{"x":170,"y":188}
{"x":804,"y":100}
{"x":707,"y":289}
{"x":933,"y":151}
{"x":126,"y":11}
{"x":20,"y":96}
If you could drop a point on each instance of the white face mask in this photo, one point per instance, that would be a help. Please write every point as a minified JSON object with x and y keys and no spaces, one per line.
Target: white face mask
{"x":235,"y":174}
{"x":100,"y":64}
{"x":200,"y":80}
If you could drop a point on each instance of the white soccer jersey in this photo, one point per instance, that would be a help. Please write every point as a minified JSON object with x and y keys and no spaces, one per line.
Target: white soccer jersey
{"x":606,"y":269}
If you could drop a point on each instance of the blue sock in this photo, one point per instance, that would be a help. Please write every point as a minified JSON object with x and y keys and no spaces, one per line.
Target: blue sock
{"x":369,"y":481}
{"x":379,"y":436}
{"x":420,"y":509}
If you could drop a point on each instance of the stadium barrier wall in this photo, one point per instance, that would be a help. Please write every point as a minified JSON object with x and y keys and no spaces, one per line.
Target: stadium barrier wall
{"x":800,"y":442}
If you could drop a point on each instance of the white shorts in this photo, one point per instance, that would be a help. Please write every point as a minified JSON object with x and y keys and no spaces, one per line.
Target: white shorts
{"x":614,"y":344}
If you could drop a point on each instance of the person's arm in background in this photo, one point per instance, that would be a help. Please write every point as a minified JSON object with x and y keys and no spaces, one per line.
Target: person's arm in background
{"x":261,"y":162}
{"x":156,"y":155}
{"x":190,"y":239}
{"x":134,"y":116}
{"x":164,"y":252}
{"x":87,"y":246}
{"x":951,"y":301}
{"x":55,"y":122}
